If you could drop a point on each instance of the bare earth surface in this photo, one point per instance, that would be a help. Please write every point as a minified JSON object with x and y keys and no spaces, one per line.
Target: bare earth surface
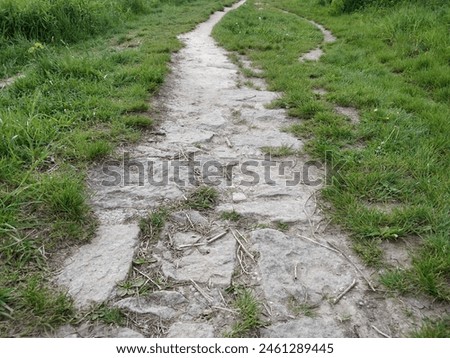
{"x":208,"y":117}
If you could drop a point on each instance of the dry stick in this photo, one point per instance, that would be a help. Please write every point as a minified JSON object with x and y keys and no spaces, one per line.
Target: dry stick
{"x":267,"y":309}
{"x":238,"y":254}
{"x":147,"y":277}
{"x":354,"y":265}
{"x":318,"y":243}
{"x":184,"y":154}
{"x":217,"y":237}
{"x":188,"y":246}
{"x":243,"y":247}
{"x":295,"y":271}
{"x":243,"y":237}
{"x":313,"y":232}
{"x":325,"y":227}
{"x":338,"y":298}
{"x":190,"y":221}
{"x":245,"y":99}
{"x":204,"y":294}
{"x":380,"y":332}
{"x":225,"y":309}
{"x":223,"y":299}
{"x":335,"y":249}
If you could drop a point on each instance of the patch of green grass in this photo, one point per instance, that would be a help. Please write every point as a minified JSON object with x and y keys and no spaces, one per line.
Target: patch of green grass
{"x":278,"y":152}
{"x":80,"y":96}
{"x":439,"y":328}
{"x":391,"y":65}
{"x":396,"y":281}
{"x":153,"y":224}
{"x":302,"y":308}
{"x":230,"y":215}
{"x":203,"y":198}
{"x":31,"y":305}
{"x":282,"y":226}
{"x":138,"y":122}
{"x":108,"y":315}
{"x":249,"y":315}
{"x":370,"y":252}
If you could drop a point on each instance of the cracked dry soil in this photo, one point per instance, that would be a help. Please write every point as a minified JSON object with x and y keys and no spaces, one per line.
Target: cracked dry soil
{"x":301,"y":286}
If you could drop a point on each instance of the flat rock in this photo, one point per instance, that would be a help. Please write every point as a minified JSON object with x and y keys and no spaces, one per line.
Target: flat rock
{"x":287,"y":210}
{"x":195,"y":217}
{"x":238,"y":197}
{"x":265,"y":138}
{"x":190,"y":330}
{"x":180,"y":135}
{"x":91,"y":274}
{"x":213,"y":263}
{"x":162,"y":304}
{"x":128,"y":333}
{"x":186,"y":238}
{"x":319,"y":270}
{"x":305,"y":327}
{"x":96,"y":330}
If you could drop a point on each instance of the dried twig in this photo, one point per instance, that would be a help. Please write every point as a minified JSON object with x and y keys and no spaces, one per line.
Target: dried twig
{"x":238,"y":254}
{"x":243,"y":237}
{"x":148,"y":278}
{"x":245,"y":99}
{"x":318,"y":243}
{"x":295,"y":271}
{"x":353,"y":264}
{"x":269,"y":311}
{"x":190,"y":221}
{"x":338,"y":298}
{"x":243,"y":247}
{"x":225,"y":309}
{"x":217,"y":237}
{"x":380,"y":332}
{"x":188,"y":246}
{"x":203,"y":293}
{"x":333,"y":248}
{"x":223,"y":299}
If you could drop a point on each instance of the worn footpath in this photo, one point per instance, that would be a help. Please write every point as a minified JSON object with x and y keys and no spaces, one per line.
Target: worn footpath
{"x":215,"y":129}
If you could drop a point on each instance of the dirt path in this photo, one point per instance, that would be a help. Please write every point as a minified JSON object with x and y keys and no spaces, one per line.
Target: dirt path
{"x":209,"y":117}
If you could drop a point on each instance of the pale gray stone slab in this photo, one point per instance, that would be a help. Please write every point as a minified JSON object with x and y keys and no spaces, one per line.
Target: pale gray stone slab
{"x":91,"y":274}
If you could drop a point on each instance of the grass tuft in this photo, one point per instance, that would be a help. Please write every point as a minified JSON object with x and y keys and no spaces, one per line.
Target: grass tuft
{"x":153,"y":224}
{"x":230,"y":215}
{"x":203,"y":198}
{"x":279,"y":152}
{"x":249,"y":314}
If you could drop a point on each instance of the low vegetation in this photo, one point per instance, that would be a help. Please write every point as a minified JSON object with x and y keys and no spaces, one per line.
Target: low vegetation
{"x":390,"y":62}
{"x":249,"y":320}
{"x":202,"y":198}
{"x":84,"y":72}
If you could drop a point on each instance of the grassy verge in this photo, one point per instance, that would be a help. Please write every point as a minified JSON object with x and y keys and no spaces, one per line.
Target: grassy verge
{"x":89,"y":68}
{"x":391,"y":63}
